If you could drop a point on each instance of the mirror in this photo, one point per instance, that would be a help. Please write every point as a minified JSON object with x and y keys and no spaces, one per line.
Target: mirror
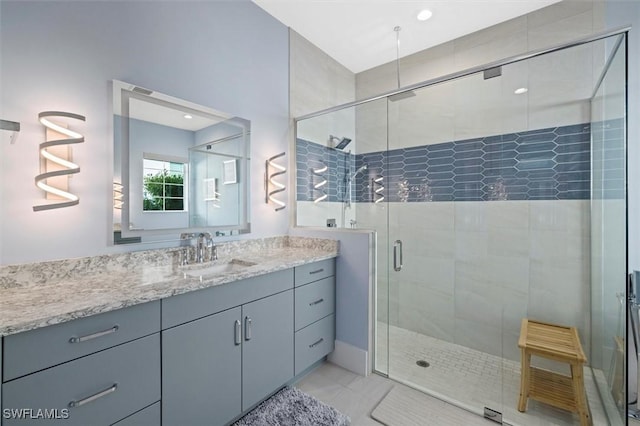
{"x":178,"y":167}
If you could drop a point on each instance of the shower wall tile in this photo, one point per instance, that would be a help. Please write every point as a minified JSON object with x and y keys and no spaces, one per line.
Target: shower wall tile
{"x":470,"y":243}
{"x":496,"y":275}
{"x":479,"y":336}
{"x":312,"y":156}
{"x":509,"y":242}
{"x":505,"y":214}
{"x":543,"y":164}
{"x":512,"y":272}
{"x":425,"y":310}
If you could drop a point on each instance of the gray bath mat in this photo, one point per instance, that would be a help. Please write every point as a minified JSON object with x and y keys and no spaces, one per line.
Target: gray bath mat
{"x":292,"y":407}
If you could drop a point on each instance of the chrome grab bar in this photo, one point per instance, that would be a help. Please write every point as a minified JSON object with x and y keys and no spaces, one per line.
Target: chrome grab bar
{"x":397,"y":244}
{"x":93,"y":397}
{"x":80,"y":339}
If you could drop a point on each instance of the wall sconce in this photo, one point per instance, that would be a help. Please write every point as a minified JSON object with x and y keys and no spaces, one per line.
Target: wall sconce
{"x":270,"y":183}
{"x":118,"y":198}
{"x":10,"y":126}
{"x":319,"y":187}
{"x":55,"y":163}
{"x":378,"y":188}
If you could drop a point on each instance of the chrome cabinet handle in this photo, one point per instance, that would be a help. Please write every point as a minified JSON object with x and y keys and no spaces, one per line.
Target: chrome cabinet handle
{"x":238,"y":332}
{"x":317,"y":271}
{"x":80,"y":339}
{"x":247,"y":328}
{"x":397,"y":245}
{"x":316,"y":302}
{"x":93,"y":397}
{"x":316,"y":343}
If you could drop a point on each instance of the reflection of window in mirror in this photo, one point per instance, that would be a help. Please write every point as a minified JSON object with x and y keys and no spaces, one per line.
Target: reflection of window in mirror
{"x":164,"y":185}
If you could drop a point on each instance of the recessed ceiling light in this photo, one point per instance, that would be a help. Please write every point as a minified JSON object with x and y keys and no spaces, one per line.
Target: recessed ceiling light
{"x":188,"y":117}
{"x":521,"y":90}
{"x":424,"y":15}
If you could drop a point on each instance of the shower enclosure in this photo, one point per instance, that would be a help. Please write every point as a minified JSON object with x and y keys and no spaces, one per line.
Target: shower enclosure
{"x":496,"y":194}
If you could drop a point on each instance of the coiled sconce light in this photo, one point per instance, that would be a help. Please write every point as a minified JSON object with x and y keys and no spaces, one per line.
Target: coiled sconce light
{"x":118,"y":197}
{"x":378,"y":189}
{"x":53,"y":164}
{"x":270,"y":183}
{"x":318,"y":187}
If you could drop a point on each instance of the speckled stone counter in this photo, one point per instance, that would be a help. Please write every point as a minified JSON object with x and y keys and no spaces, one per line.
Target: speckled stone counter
{"x":40,"y":294}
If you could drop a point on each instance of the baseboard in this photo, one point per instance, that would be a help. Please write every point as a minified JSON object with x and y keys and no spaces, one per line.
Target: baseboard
{"x":350,"y":357}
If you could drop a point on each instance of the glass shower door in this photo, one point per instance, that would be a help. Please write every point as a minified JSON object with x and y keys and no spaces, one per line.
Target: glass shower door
{"x":608,"y":235}
{"x":445,"y":330}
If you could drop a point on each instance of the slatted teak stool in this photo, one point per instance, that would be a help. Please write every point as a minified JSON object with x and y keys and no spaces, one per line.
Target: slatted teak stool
{"x":558,"y":343}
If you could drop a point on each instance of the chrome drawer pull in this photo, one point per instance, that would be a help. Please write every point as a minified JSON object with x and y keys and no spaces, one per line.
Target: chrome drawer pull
{"x":317,"y":271}
{"x":316,"y":302}
{"x":238,"y":332}
{"x":317,"y":343}
{"x":94,"y":335}
{"x":92,"y":398}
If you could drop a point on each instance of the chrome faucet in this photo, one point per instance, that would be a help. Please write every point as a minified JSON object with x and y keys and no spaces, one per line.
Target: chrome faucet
{"x":205,"y":250}
{"x":204,"y":245}
{"x":185,"y":252}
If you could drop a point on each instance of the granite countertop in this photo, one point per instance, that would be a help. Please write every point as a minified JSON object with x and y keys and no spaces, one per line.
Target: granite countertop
{"x":41,"y":294}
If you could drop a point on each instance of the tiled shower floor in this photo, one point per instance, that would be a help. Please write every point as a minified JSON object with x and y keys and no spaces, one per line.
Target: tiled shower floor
{"x":471,"y":379}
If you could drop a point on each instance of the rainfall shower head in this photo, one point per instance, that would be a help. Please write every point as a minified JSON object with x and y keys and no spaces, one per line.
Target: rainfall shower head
{"x":342,"y":142}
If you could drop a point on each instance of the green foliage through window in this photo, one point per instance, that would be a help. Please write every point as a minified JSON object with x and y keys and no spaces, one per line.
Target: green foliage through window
{"x":163,"y":186}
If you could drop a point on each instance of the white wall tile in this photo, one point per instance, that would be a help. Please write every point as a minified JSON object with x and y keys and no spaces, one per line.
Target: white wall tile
{"x":470,"y":216}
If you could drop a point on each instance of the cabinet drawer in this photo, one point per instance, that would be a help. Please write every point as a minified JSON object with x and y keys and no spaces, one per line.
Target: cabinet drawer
{"x":150,"y":416}
{"x":314,"y":301}
{"x":314,"y":271}
{"x":314,"y":342}
{"x":44,"y":347}
{"x":187,"y":307}
{"x":98,"y":389}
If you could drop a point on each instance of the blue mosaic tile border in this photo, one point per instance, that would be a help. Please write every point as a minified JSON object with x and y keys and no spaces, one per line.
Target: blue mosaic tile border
{"x":609,"y":160}
{"x":544,"y":164}
{"x":309,"y":156}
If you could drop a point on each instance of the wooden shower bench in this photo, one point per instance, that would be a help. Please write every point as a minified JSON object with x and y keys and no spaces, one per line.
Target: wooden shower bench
{"x":558,"y":343}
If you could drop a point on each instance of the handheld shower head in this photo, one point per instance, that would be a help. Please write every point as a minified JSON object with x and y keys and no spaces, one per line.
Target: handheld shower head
{"x":360,"y":169}
{"x":342,"y":142}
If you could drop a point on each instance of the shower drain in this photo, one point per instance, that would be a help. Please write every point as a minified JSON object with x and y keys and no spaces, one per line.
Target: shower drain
{"x":422,"y":363}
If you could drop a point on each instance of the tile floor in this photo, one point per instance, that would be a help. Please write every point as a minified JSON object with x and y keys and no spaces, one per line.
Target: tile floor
{"x":487,"y":380}
{"x":473,"y":379}
{"x":358,"y":396}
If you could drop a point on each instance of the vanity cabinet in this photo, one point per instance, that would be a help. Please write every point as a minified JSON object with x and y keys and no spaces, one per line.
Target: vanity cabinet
{"x":202,"y":357}
{"x":216,"y":367}
{"x":315,"y":293}
{"x":201,"y":370}
{"x":95,"y":370}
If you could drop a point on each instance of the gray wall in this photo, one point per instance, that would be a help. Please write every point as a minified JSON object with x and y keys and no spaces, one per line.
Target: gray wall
{"x":59,"y":55}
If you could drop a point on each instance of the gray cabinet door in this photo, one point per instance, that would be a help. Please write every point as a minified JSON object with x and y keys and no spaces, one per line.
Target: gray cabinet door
{"x":267,"y":347}
{"x":201,"y":371}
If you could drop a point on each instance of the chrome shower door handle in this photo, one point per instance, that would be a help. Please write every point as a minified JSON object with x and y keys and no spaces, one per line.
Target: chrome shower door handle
{"x":397,"y":246}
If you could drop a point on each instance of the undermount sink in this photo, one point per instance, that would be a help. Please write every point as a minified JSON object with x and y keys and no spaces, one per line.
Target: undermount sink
{"x":218,"y":268}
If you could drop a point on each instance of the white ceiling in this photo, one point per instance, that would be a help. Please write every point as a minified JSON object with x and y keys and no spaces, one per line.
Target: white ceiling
{"x":359,"y":33}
